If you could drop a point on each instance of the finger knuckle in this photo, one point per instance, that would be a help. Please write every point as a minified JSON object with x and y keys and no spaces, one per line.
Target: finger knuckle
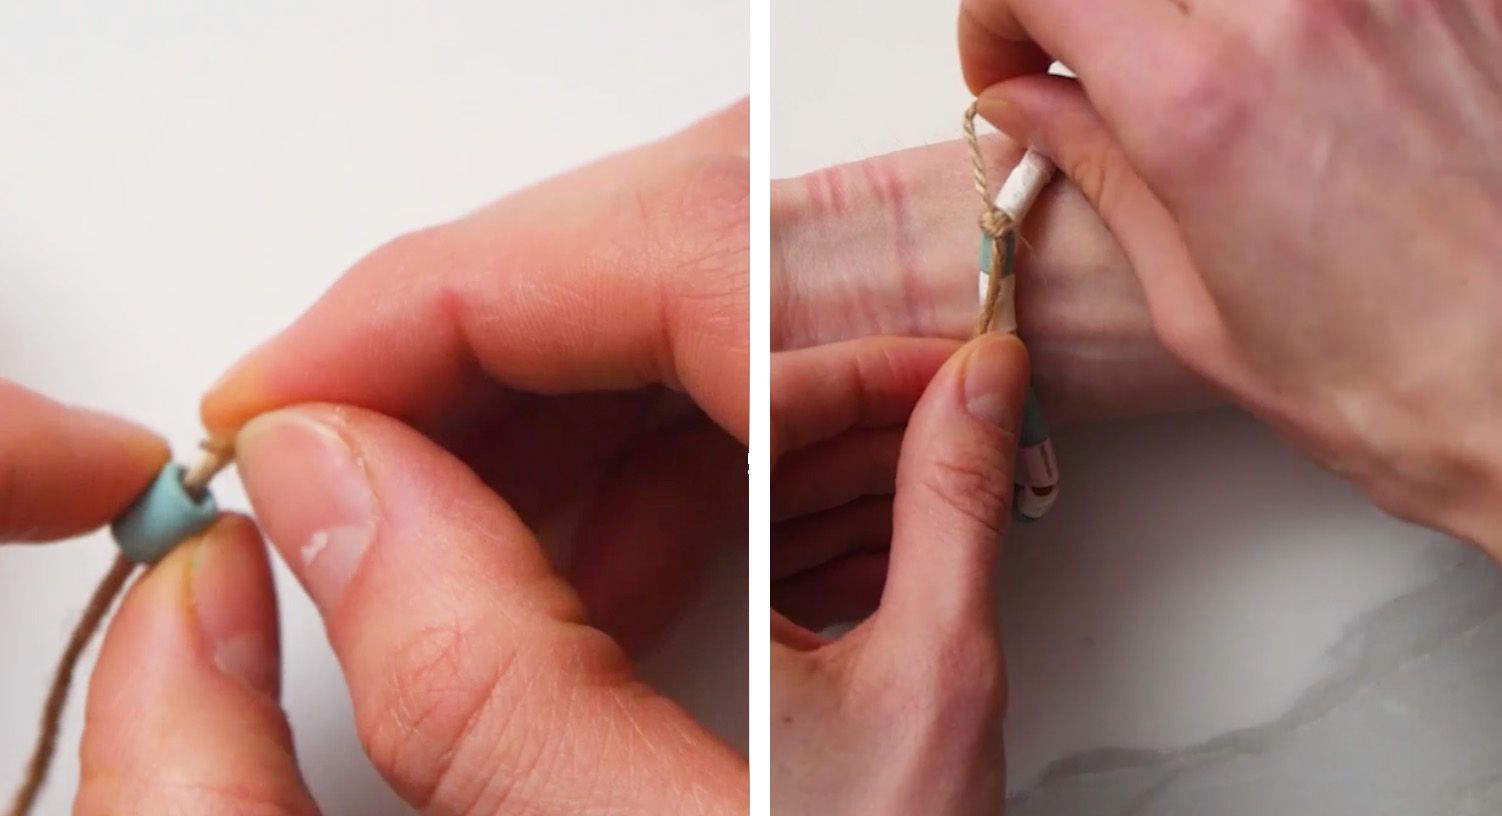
{"x":435,"y":695}
{"x":697,"y":217}
{"x":698,"y":208}
{"x":463,"y":721}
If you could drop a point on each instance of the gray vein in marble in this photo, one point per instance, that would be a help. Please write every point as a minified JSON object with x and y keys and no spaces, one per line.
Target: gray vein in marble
{"x":1421,"y":670}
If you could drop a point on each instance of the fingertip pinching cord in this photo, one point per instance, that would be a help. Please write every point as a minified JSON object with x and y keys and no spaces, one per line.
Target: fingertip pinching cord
{"x":176,"y":506}
{"x":1036,"y":485}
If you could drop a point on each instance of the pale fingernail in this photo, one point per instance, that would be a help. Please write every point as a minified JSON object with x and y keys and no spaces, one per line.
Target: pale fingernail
{"x":237,"y":371}
{"x":993,"y":373}
{"x":996,"y":108}
{"x":311,"y":495}
{"x":234,"y":614}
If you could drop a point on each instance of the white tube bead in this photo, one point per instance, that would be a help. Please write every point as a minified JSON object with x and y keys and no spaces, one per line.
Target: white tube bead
{"x":1024,"y":184}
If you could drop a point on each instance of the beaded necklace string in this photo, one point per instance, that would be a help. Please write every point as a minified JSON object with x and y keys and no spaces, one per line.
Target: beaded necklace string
{"x":1036,"y":484}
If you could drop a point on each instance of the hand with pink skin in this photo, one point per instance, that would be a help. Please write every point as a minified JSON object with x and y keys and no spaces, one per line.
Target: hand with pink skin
{"x":570,"y":363}
{"x":903,"y":713}
{"x":1310,"y":193}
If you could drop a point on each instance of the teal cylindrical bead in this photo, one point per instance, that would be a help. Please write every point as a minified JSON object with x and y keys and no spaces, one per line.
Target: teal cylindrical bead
{"x":1034,"y":426}
{"x":1008,"y":260}
{"x":162,"y":517}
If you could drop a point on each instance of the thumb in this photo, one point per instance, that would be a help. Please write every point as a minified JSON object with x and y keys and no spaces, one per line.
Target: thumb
{"x":473,"y":675}
{"x":954,"y":489}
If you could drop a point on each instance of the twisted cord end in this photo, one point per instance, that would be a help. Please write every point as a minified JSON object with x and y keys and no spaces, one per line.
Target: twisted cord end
{"x":216,"y":456}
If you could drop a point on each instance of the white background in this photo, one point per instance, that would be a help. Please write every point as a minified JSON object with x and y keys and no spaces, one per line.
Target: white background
{"x":177,"y":183}
{"x":1195,"y":578}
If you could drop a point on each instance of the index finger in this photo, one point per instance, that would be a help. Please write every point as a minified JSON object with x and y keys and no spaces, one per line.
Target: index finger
{"x":66,"y":470}
{"x":626,"y":273}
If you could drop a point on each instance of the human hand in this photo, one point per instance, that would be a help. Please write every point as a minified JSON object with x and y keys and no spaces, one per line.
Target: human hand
{"x":903,"y":713}
{"x":581,"y":343}
{"x":1310,"y":195}
{"x":477,"y":684}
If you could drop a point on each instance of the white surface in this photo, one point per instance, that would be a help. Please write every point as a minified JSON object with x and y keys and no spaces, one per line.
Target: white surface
{"x":177,"y":183}
{"x":1204,"y":624}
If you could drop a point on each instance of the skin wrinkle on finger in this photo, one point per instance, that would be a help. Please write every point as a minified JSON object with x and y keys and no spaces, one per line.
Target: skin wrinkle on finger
{"x":955,"y":488}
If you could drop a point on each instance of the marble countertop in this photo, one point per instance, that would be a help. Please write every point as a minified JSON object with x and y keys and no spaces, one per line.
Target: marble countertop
{"x":1210,"y":625}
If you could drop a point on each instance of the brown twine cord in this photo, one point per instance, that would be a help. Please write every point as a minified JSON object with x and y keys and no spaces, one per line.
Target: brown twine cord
{"x":993,"y":222}
{"x":62,"y":681}
{"x":217,"y":454}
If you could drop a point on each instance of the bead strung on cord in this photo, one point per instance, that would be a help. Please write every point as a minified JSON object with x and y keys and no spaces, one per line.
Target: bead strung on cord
{"x":1037,"y":471}
{"x":175,"y":507}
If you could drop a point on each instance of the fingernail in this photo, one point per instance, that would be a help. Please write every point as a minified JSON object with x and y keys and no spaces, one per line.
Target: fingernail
{"x":224,"y":402}
{"x":234,"y":614}
{"x":992,"y":373}
{"x":994,"y":107}
{"x":311,"y":495}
